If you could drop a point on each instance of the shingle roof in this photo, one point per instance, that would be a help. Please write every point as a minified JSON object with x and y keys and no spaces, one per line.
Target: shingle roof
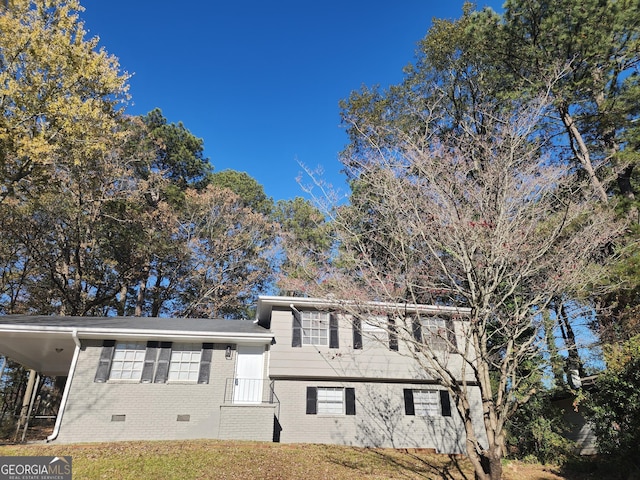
{"x":182,"y":325}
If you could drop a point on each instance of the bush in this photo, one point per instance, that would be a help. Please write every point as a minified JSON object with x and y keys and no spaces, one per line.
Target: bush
{"x":614,"y":407}
{"x":535,"y":432}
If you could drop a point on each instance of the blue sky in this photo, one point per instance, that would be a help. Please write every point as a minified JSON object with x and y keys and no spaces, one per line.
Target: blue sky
{"x":260,"y":81}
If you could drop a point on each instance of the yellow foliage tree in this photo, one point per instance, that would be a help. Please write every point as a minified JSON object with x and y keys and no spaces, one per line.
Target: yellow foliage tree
{"x":60,"y":95}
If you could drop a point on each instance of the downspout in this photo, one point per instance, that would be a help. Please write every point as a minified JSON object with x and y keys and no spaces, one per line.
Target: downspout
{"x":67,"y":386}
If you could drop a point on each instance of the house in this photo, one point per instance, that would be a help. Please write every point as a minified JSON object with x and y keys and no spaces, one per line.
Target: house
{"x":306,"y":370}
{"x":149,"y":378}
{"x":580,"y":430}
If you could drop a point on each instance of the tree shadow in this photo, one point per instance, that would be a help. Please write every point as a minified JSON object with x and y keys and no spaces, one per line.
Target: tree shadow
{"x":594,"y":467}
{"x":408,"y":463}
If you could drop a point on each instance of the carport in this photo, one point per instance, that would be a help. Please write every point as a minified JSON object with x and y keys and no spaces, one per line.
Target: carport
{"x":46,"y":350}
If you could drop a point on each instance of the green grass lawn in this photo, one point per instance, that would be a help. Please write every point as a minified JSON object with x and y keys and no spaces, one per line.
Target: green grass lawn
{"x":220,"y":460}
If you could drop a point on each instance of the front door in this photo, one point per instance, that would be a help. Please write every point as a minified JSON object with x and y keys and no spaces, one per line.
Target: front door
{"x":249,"y":372}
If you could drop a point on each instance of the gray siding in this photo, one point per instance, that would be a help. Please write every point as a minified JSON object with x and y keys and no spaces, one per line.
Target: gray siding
{"x":581,"y":431}
{"x":374,"y":360}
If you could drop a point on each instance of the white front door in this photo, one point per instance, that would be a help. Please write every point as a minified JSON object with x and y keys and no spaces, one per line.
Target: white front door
{"x":249,"y":371}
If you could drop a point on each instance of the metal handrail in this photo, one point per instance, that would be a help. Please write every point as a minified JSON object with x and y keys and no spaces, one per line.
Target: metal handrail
{"x":249,"y":391}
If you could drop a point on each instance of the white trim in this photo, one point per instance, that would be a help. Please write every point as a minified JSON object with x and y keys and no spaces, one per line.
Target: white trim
{"x":142,"y":334}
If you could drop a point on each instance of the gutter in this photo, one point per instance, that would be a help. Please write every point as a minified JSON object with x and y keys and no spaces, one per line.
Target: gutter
{"x":67,"y":386}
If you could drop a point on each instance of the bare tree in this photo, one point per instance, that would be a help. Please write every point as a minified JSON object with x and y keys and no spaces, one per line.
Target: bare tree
{"x":231,"y":253}
{"x":477,"y":219}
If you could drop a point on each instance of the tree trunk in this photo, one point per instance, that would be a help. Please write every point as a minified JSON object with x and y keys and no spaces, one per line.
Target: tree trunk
{"x":556,"y":361}
{"x":122,"y":300}
{"x":157,"y":297}
{"x":487,"y":464}
{"x":569,"y":337}
{"x":492,"y":465}
{"x":583,"y":155}
{"x":142,"y":287}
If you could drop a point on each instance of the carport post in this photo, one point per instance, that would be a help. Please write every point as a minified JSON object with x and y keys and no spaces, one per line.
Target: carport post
{"x":26,"y":401}
{"x":31,"y":403}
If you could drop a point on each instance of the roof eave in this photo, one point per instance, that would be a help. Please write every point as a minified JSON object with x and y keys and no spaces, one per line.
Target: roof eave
{"x":142,"y":334}
{"x":266,"y":304}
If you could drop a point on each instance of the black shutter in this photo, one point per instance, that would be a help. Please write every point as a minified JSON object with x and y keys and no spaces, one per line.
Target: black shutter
{"x":408,"y":402}
{"x":350,"y":401}
{"x":162,"y":371}
{"x":445,"y":403}
{"x":417,"y":331}
{"x":104,"y":365}
{"x":149,"y":362}
{"x":356,"y":324}
{"x":205,"y":363}
{"x":451,"y":336}
{"x":296,"y":334}
{"x":312,"y":400}
{"x":333,"y":331}
{"x":393,"y":335}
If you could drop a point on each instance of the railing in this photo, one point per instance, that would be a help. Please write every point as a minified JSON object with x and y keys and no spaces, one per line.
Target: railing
{"x":247,"y":391}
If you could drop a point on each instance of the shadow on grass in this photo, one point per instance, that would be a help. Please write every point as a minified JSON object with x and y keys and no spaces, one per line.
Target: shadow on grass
{"x":408,"y":463}
{"x":596,"y":468}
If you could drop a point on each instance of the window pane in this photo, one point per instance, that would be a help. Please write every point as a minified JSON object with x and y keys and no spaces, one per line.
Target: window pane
{"x":426,"y":402}
{"x":330,"y":401}
{"x":434,"y":333}
{"x":128,"y":360}
{"x":315,"y":328}
{"x":185,"y":362}
{"x":374,"y":330}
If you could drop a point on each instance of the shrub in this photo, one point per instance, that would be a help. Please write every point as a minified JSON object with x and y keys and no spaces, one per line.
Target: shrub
{"x":614,"y":407}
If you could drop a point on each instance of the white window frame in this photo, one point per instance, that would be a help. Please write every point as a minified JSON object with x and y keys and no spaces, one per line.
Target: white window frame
{"x":434,"y":332}
{"x":330,"y":401}
{"x":184,"y":364}
{"x":128,"y":361}
{"x":315,"y":327}
{"x":426,"y":403}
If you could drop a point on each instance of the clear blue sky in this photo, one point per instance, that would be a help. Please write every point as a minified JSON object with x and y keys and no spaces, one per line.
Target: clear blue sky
{"x":260,"y":81}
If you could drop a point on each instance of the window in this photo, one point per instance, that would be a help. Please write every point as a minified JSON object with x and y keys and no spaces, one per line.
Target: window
{"x":331,"y":401}
{"x":185,"y":362}
{"x":435,"y":333}
{"x":315,"y":328}
{"x":427,"y":403}
{"x":128,"y":360}
{"x":154,"y":362}
{"x":375,"y":328}
{"x":371,"y":330}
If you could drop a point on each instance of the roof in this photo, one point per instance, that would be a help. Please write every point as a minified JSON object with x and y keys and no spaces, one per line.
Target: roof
{"x":212,"y":326}
{"x":266,"y":304}
{"x":46,"y":343}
